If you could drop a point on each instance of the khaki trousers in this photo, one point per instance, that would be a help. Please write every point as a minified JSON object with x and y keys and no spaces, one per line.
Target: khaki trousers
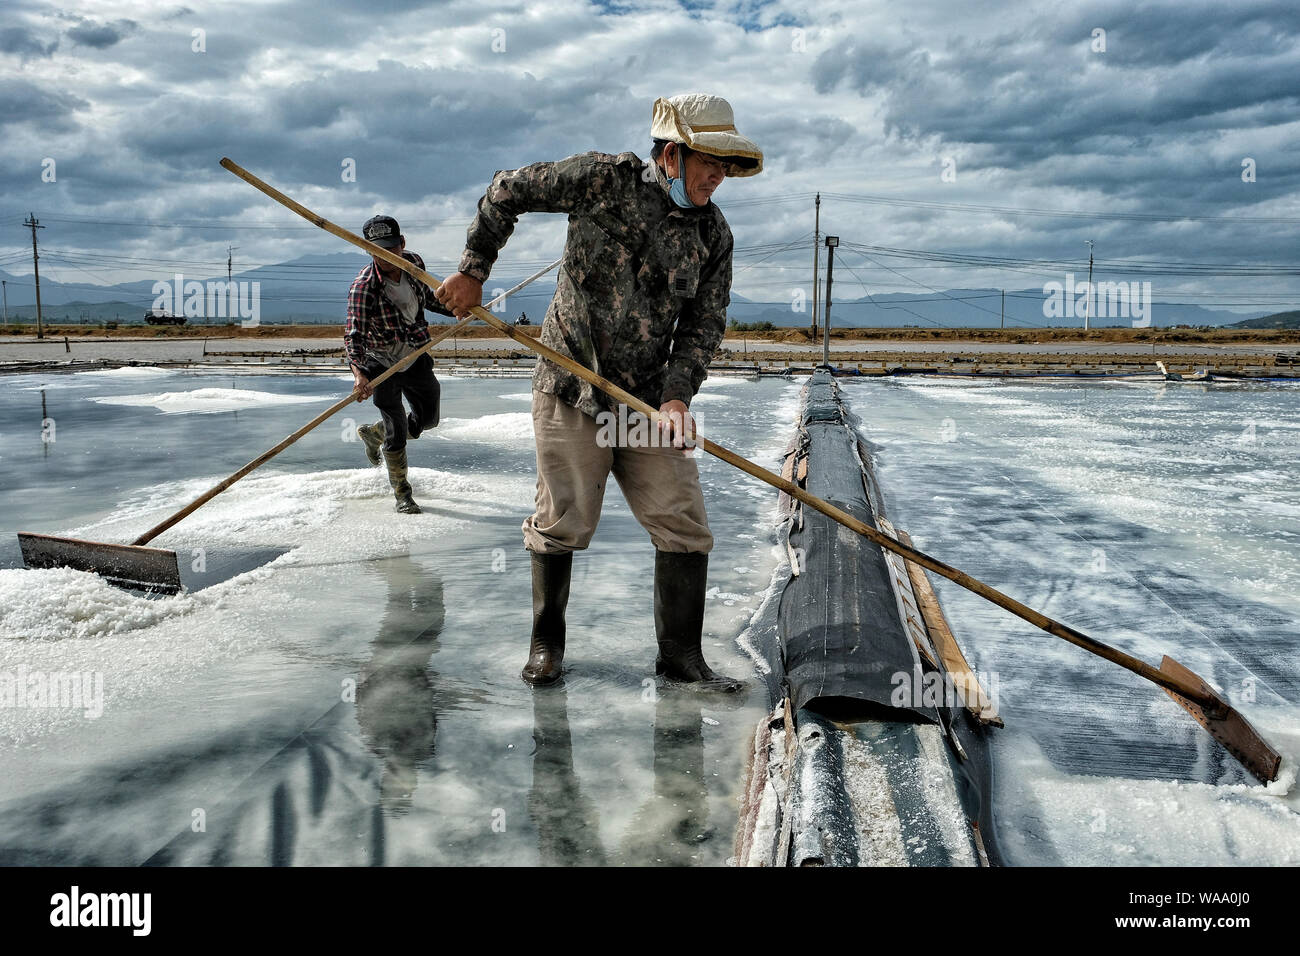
{"x":661,"y":485}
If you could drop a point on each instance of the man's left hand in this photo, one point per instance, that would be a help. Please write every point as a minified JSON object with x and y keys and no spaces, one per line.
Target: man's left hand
{"x":677,"y":424}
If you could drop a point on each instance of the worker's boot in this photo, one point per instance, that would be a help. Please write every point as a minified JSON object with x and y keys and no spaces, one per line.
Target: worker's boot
{"x":396,"y":462}
{"x":372,"y":436}
{"x":550,"y":597}
{"x":679,"y":620}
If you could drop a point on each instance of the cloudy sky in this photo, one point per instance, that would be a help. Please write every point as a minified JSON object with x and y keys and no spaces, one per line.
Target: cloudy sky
{"x":990,"y":130}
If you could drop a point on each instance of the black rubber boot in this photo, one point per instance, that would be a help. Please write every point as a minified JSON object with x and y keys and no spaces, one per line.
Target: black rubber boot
{"x":372,"y":436}
{"x":680,"y":580}
{"x":396,"y":462}
{"x":550,"y":597}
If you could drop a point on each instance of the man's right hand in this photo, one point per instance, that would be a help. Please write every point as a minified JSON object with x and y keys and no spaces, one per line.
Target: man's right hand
{"x":460,"y":293}
{"x":363,"y":388}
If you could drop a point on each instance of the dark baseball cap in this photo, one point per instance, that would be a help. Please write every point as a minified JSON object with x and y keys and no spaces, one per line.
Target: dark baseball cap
{"x":383,"y":231}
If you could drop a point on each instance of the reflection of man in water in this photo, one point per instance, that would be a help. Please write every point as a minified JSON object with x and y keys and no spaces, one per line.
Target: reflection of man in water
{"x":668,"y":829}
{"x":568,"y":825}
{"x":306,"y":805}
{"x":671,"y":826}
{"x":395,"y":705}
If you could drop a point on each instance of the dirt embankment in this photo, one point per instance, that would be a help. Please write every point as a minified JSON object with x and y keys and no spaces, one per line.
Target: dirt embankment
{"x":1033,"y":336}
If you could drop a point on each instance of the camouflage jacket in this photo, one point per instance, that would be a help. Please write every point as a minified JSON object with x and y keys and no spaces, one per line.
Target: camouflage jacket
{"x":642,"y":295}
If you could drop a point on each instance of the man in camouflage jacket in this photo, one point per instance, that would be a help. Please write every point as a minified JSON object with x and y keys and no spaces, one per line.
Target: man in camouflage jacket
{"x":635,"y":266}
{"x":641,"y":299}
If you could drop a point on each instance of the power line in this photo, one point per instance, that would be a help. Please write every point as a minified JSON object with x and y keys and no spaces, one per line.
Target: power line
{"x":1058,"y":213}
{"x":895,"y":307}
{"x":1000,"y":314}
{"x":1120,"y":266}
{"x":789,"y":245}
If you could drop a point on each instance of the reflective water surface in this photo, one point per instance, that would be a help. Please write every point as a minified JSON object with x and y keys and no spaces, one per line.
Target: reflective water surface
{"x":357,"y":699}
{"x":352,"y":695}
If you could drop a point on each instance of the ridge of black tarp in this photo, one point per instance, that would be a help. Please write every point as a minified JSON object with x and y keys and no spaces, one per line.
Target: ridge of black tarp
{"x":842,"y":641}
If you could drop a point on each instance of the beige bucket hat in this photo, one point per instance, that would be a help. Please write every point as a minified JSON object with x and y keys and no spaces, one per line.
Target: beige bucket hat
{"x":706,"y":124}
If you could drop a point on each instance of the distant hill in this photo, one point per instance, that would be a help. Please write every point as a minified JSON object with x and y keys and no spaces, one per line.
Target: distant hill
{"x":1278,"y":320}
{"x":967,"y":308}
{"x":313,"y":289}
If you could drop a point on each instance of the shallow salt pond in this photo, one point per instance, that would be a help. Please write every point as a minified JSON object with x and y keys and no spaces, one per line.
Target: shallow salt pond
{"x":357,"y":700}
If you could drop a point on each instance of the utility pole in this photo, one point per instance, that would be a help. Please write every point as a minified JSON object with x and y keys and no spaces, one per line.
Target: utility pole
{"x":1004,"y":308}
{"x":230,"y":286}
{"x":4,"y":288}
{"x":817,"y":246}
{"x":831,"y":243}
{"x":35,"y":224}
{"x":1087,"y":311}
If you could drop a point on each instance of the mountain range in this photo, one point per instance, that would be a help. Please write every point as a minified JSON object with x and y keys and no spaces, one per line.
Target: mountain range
{"x":313,"y":289}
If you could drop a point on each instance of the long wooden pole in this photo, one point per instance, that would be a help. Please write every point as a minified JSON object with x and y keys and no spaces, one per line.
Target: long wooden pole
{"x":1185,"y":685}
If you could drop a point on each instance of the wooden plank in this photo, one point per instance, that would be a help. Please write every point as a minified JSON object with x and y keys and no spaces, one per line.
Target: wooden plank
{"x":787,"y":816}
{"x":974,"y":696}
{"x":908,"y":608}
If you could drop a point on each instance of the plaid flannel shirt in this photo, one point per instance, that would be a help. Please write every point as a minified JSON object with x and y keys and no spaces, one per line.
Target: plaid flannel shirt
{"x":374,"y":322}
